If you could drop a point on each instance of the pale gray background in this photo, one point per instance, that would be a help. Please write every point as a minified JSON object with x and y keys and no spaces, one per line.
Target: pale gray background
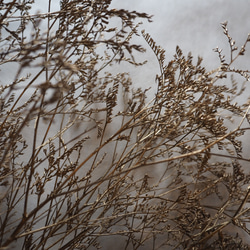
{"x":194,"y":25}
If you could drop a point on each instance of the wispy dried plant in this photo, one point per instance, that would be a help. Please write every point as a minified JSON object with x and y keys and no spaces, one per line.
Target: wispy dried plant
{"x":86,"y":159}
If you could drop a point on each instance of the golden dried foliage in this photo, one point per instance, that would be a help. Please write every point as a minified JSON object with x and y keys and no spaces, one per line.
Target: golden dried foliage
{"x":85,"y":158}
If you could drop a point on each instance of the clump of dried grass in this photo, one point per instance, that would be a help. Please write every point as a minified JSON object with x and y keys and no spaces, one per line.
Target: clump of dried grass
{"x":84,"y":157}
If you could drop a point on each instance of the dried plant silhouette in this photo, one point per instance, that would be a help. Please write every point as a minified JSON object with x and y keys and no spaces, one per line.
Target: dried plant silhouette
{"x":86,"y":158}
